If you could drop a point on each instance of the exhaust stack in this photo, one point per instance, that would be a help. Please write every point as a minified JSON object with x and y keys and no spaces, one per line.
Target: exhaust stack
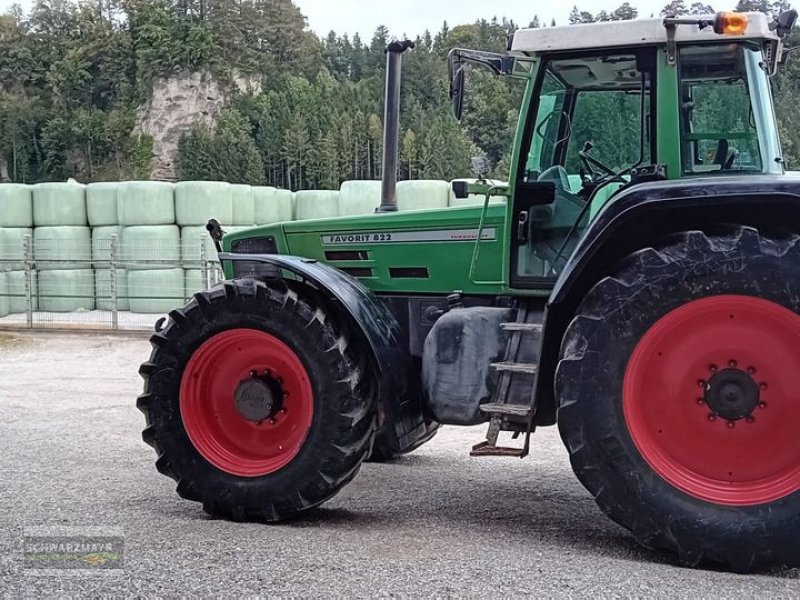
{"x":391,"y":124}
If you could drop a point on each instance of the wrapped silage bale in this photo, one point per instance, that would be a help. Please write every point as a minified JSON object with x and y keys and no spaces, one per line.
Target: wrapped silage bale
{"x":59,"y":204}
{"x":12,"y":247}
{"x":316,"y":204}
{"x":101,"y":203}
{"x":56,"y":248}
{"x":198,"y":201}
{"x":422,"y":194}
{"x":104,"y":289}
{"x":145,"y":203}
{"x":101,"y":244}
{"x":196,"y":245}
{"x":473,"y":199}
{"x":359,"y":198}
{"x":155,"y":291}
{"x":4,"y":303}
{"x":243,"y":205}
{"x":287,"y":205}
{"x":155,"y":247}
{"x":266,"y":206}
{"x":66,"y":290}
{"x":16,"y":205}
{"x":17,"y":295}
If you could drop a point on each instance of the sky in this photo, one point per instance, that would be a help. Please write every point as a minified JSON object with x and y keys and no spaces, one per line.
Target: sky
{"x":413,"y":17}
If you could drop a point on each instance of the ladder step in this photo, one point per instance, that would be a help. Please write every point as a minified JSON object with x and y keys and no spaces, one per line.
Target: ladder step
{"x":486,"y":449}
{"x":525,"y":327}
{"x":512,"y":410}
{"x":514,"y":367}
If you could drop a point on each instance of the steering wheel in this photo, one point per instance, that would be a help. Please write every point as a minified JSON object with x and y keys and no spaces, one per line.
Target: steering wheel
{"x":594,"y":166}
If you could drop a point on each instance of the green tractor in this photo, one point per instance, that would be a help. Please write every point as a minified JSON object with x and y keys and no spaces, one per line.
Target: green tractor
{"x":636,"y":283}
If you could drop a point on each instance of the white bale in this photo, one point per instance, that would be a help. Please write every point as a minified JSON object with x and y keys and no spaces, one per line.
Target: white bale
{"x":196,"y":244}
{"x":16,"y":205}
{"x":145,"y":203}
{"x":359,"y":198}
{"x":194,"y":281}
{"x":422,"y":194}
{"x":103,"y":289}
{"x":59,"y":204}
{"x":66,"y":291}
{"x":244,"y":209}
{"x":286,"y":205}
{"x":150,"y":247}
{"x":473,"y":199}
{"x":17,"y":294}
{"x":316,"y":204}
{"x":156,"y":291}
{"x":56,"y":248}
{"x":12,"y":247}
{"x":101,"y":203}
{"x":101,"y":243}
{"x":266,"y":210}
{"x":4,"y":300}
{"x":198,"y":201}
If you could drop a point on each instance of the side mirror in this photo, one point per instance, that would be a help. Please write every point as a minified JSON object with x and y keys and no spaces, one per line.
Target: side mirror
{"x":457,"y":93}
{"x":786,"y":22}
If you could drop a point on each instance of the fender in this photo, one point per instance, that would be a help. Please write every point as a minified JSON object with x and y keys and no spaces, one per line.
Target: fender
{"x":398,"y":378}
{"x":642,"y":215}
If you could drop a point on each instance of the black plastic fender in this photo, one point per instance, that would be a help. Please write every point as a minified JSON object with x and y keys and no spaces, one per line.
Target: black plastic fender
{"x":642,"y":216}
{"x":398,"y":377}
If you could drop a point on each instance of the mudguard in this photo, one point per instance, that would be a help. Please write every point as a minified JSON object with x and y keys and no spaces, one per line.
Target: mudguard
{"x":398,"y":378}
{"x":642,"y":215}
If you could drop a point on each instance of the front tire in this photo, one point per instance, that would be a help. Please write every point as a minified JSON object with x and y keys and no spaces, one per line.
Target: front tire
{"x":677,"y":391}
{"x":256,"y":403}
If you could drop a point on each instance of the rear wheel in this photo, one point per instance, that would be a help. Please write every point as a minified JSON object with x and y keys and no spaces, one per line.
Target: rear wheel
{"x":255,"y":402}
{"x":677,"y":398}
{"x":383,"y":449}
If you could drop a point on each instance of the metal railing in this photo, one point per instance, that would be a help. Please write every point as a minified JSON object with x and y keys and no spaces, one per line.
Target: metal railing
{"x":50,"y":285}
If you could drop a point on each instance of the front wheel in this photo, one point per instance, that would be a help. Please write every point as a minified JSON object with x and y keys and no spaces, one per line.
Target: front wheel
{"x":256,"y":402}
{"x":678,"y":402}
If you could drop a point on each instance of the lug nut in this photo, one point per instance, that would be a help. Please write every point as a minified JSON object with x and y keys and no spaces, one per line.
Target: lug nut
{"x":701,"y":383}
{"x":712,"y":368}
{"x":272,"y":421}
{"x":253,"y":373}
{"x":712,"y":417}
{"x":750,"y":420}
{"x":762,"y":405}
{"x":700,"y":401}
{"x":732,"y":363}
{"x":751,"y":370}
{"x":283,"y":410}
{"x":731,"y":424}
{"x":763,"y":386}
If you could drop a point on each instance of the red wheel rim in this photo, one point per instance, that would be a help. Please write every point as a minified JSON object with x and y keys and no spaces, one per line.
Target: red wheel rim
{"x":218,"y":431}
{"x":747,"y":461}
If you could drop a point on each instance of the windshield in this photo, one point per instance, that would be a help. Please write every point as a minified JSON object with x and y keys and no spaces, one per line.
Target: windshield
{"x":727,"y":123}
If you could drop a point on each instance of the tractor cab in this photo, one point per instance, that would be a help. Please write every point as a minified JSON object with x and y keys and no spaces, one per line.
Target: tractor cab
{"x":615,"y":104}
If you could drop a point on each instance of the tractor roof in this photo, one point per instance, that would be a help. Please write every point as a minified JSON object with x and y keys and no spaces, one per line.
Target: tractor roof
{"x":639,"y":32}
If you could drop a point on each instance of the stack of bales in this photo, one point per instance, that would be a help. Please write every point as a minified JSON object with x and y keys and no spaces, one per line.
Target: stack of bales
{"x":195,"y":203}
{"x":62,"y":248}
{"x":363,"y":197}
{"x":101,"y":208}
{"x":359,"y":198}
{"x":16,"y":222}
{"x":273,"y":205}
{"x":150,"y":246}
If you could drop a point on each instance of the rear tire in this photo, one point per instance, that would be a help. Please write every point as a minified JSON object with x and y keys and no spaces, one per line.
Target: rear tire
{"x":383,"y":451}
{"x":713,"y":477}
{"x":275,"y":465}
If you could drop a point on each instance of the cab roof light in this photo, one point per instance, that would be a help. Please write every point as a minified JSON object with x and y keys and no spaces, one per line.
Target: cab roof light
{"x":731,"y":23}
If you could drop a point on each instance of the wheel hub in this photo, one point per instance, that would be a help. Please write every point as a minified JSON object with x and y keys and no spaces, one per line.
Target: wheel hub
{"x":258,"y":398}
{"x":732,"y":394}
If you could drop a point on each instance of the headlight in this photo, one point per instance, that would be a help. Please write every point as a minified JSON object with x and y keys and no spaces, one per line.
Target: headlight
{"x":252,"y":269}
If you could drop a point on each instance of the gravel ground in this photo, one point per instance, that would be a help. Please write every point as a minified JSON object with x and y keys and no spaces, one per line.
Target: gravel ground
{"x":436,"y":523}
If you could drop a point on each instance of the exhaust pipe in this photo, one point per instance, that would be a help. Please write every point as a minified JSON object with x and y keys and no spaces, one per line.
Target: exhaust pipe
{"x":391,"y":125}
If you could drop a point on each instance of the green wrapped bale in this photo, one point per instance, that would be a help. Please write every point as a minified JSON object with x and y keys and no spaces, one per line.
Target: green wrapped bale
{"x":195,"y":281}
{"x":315,"y":204}
{"x":359,"y":198}
{"x":58,"y":248}
{"x":4,"y":300}
{"x":101,"y":244}
{"x":150,"y":247}
{"x":198,"y":201}
{"x":16,"y":205}
{"x":422,"y":194}
{"x":197,"y":245}
{"x":17,"y":291}
{"x":266,"y":208}
{"x":59,"y":204}
{"x":159,"y":291}
{"x":101,"y":203}
{"x":12,"y":247}
{"x":103,"y":289}
{"x":287,"y":205}
{"x":243,"y":205}
{"x":146,"y":203}
{"x":66,"y":291}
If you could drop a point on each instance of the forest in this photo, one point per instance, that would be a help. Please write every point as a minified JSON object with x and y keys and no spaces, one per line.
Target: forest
{"x":73,"y":76}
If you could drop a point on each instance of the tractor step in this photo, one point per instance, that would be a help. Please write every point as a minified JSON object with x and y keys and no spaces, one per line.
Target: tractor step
{"x":523,"y":327}
{"x":487,"y":449}
{"x":508,"y":410}
{"x":515,"y":367}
